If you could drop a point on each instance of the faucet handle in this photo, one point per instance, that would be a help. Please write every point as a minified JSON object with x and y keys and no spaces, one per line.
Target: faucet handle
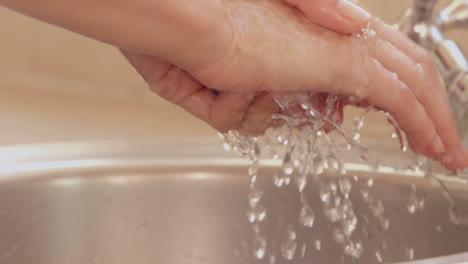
{"x":455,"y":14}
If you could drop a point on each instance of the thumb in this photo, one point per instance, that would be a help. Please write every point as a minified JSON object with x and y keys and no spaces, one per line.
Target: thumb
{"x":343,"y":16}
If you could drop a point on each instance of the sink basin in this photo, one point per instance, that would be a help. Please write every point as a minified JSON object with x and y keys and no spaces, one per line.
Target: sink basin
{"x":158,"y":202}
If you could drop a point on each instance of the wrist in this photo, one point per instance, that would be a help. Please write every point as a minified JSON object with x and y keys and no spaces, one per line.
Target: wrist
{"x":207,"y":36}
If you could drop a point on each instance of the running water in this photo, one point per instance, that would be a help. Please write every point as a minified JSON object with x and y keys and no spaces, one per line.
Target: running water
{"x":307,"y":149}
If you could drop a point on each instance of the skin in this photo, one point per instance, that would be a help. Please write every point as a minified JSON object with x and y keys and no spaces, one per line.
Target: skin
{"x":265,"y":45}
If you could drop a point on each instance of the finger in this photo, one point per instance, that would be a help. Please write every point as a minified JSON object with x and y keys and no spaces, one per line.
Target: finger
{"x":173,"y":84}
{"x":413,"y":50}
{"x":343,"y":16}
{"x":224,"y":112}
{"x":259,"y":115}
{"x":416,"y":68}
{"x":229,"y":110}
{"x":394,"y":96}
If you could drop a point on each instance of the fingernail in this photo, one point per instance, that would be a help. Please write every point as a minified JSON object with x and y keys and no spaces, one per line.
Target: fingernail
{"x":352,"y":11}
{"x":438,"y":147}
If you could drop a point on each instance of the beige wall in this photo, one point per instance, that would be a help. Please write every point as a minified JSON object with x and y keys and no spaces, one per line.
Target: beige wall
{"x":56,"y":85}
{"x":59,"y":86}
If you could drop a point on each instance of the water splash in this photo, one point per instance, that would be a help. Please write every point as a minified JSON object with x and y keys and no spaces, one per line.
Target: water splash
{"x":302,"y":142}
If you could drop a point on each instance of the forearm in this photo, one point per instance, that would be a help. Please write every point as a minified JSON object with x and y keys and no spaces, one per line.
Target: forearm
{"x":170,"y":29}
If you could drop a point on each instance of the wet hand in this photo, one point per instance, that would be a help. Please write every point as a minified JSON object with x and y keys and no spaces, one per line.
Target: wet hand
{"x":248,"y":112}
{"x":276,"y":48}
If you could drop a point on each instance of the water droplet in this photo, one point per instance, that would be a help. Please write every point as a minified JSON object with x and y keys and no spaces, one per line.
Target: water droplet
{"x":370,"y":182}
{"x":358,"y":122}
{"x":291,"y":233}
{"x":288,"y":249}
{"x":404,"y":148}
{"x":272,"y":259}
{"x":384,"y":223}
{"x":356,"y":136}
{"x":338,"y":236}
{"x":282,"y":135}
{"x":259,"y":246}
{"x":318,"y":165}
{"x":410,"y":253}
{"x":256,"y":214}
{"x":414,"y":202}
{"x":307,"y":217}
{"x":365,"y":195}
{"x":253,"y":169}
{"x":318,"y":244}
{"x":281,"y":180}
{"x":301,"y":182}
{"x":354,"y":249}
{"x":384,"y":246}
{"x":226,"y":147}
{"x":288,"y":164}
{"x":345,"y":187}
{"x":454,"y":215}
{"x":378,"y":256}
{"x":255,"y":196}
{"x":324,"y":192}
{"x":349,"y":225}
{"x":377,"y":208}
{"x":332,"y":213}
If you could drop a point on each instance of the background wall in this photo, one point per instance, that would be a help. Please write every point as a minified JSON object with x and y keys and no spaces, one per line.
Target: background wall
{"x":58,"y":86}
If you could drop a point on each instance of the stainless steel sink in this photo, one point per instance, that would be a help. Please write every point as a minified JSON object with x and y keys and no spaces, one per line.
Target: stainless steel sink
{"x":155,"y":202}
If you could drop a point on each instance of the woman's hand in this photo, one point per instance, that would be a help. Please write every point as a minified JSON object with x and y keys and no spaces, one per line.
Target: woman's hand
{"x":248,"y":112}
{"x":258,"y":45}
{"x":275,"y":48}
{"x":344,"y":16}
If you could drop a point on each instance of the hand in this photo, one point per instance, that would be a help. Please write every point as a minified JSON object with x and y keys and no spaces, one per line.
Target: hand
{"x":344,"y":16}
{"x":249,"y":113}
{"x":273,"y":48}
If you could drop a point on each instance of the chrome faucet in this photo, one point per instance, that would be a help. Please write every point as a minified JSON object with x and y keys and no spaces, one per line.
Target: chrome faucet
{"x":422,"y":24}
